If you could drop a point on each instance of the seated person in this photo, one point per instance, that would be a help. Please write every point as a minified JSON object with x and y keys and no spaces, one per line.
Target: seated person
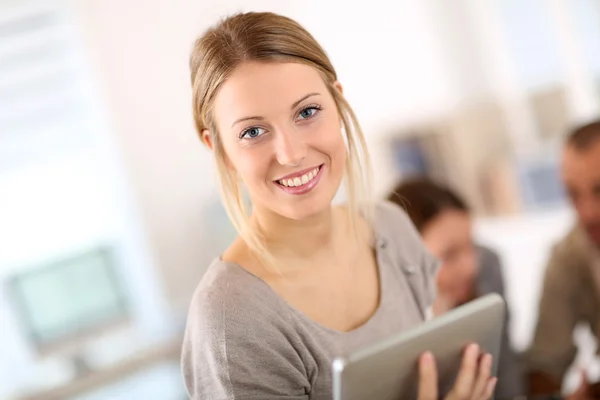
{"x":467,"y":271}
{"x":571,"y":290}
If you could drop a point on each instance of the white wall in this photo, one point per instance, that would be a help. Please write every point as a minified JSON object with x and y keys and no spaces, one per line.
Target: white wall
{"x":61,"y":191}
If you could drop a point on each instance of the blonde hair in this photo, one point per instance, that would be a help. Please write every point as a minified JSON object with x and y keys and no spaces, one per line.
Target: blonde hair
{"x":268,"y":37}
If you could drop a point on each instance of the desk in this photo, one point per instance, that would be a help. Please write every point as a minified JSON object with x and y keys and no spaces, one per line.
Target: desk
{"x":101,"y":378}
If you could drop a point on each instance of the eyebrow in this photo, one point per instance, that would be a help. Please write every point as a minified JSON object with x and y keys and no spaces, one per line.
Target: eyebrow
{"x":259,"y":118}
{"x":304,"y":98}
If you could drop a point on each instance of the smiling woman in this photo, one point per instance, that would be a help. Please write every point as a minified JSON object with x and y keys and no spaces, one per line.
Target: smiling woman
{"x":305,"y":281}
{"x":233,"y":52}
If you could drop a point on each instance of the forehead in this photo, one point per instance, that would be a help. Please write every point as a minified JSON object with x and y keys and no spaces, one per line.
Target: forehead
{"x":260,"y":88}
{"x":449,"y":223}
{"x":581,"y":163}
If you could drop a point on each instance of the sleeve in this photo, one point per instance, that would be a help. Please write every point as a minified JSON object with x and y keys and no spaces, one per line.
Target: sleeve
{"x":489,"y":277}
{"x":431,"y":266}
{"x":552,"y":350}
{"x":420,"y":265}
{"x":511,"y":379}
{"x":235,"y":353}
{"x":510,"y":369}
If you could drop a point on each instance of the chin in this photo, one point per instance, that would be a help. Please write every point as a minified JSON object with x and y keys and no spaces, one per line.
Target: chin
{"x":465,"y":294}
{"x":305,"y":208}
{"x":594,"y":234}
{"x":596,"y":240}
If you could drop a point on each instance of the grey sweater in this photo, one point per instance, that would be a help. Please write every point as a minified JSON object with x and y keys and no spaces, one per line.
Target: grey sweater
{"x":243,"y":341}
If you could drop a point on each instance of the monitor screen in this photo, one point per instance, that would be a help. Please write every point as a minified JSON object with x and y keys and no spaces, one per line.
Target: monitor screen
{"x":64,"y":300}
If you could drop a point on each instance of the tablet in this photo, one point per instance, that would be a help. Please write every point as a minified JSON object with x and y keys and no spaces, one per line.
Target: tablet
{"x":388,"y":370}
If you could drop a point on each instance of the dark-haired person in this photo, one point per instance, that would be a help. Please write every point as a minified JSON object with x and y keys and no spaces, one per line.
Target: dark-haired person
{"x":467,"y":271}
{"x":571,"y":290}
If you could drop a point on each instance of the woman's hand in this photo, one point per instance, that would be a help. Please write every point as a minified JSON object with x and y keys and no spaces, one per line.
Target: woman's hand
{"x":474,"y":381}
{"x":583,"y":391}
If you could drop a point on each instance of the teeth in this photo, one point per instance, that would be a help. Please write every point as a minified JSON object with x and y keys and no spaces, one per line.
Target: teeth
{"x":300,"y":180}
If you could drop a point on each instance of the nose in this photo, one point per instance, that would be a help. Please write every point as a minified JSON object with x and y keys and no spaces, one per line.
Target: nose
{"x":589,"y":210}
{"x":290,"y":148}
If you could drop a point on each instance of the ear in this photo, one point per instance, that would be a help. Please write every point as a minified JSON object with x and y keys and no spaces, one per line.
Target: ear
{"x":338,"y":87}
{"x":206,"y":138}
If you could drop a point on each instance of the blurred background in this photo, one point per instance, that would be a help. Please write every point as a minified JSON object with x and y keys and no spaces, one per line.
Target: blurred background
{"x":109,"y":212}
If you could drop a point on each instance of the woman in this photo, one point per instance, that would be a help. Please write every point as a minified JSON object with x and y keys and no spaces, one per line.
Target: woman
{"x":467,"y":271}
{"x":305,"y":280}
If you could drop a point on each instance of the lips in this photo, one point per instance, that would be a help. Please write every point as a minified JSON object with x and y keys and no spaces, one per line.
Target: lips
{"x":301,"y":182}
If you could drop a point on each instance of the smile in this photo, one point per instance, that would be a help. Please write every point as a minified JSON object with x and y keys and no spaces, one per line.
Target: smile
{"x":301,"y":184}
{"x":300,"y":180}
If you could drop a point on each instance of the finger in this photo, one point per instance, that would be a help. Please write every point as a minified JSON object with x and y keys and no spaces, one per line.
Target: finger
{"x":427,"y":377}
{"x":584,"y":378}
{"x":466,"y":376}
{"x":489,"y":389}
{"x":583,"y":384}
{"x":483,"y":376}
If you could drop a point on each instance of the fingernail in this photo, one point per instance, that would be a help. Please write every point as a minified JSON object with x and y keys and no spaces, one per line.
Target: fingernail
{"x":492,"y":384}
{"x":489,"y":358}
{"x":474,"y":348}
{"x":427,"y":357}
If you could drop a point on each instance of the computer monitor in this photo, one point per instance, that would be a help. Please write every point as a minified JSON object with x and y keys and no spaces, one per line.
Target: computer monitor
{"x":62,"y":304}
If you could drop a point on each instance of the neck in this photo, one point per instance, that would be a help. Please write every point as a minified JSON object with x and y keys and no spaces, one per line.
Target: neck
{"x":303,"y":239}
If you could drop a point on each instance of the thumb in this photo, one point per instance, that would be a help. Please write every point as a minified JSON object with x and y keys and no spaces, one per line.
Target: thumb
{"x":584,"y":383}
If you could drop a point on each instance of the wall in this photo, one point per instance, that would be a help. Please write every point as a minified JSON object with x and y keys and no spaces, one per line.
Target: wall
{"x":62,"y":189}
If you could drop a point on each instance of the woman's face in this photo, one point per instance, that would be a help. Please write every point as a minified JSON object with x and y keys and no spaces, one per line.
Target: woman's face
{"x":281,"y":132}
{"x":448,"y":236}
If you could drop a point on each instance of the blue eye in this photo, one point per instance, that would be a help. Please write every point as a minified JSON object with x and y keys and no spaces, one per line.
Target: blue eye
{"x":309,"y":112}
{"x":252,"y":133}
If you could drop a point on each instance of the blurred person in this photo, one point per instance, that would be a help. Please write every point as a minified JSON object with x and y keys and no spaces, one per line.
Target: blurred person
{"x":468,"y":270}
{"x":305,"y":280}
{"x":571,"y":288}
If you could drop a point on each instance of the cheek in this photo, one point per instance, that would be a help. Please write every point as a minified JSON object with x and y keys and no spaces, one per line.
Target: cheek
{"x":328,"y":138}
{"x":452,"y":275}
{"x":253,"y":169}
{"x":248,"y":164}
{"x":597,"y":205}
{"x":471,"y":266}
